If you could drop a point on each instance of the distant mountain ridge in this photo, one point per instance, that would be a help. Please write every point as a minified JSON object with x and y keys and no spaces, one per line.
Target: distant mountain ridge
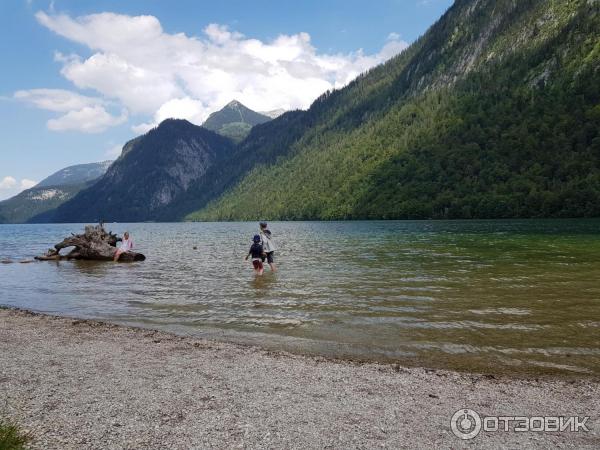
{"x":77,"y":174}
{"x":234,"y":120}
{"x":153,"y":171}
{"x":51,"y":192}
{"x":273,"y":114}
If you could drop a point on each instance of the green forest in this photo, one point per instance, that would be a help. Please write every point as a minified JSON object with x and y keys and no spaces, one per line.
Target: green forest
{"x":493,"y":113}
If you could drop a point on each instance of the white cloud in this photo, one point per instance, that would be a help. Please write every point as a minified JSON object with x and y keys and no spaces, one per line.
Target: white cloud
{"x":8,"y":183}
{"x":83,"y":113}
{"x":10,"y":187}
{"x":58,"y":100}
{"x":177,"y":108}
{"x":90,"y":119}
{"x":27,"y":183}
{"x":156,"y":74}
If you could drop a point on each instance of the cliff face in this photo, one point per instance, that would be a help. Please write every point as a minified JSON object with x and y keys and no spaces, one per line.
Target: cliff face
{"x":153,"y":171}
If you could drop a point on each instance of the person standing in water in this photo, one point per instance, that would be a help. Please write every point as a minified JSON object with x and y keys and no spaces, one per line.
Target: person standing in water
{"x":268,"y":245}
{"x":125,"y":246}
{"x":257,"y":252}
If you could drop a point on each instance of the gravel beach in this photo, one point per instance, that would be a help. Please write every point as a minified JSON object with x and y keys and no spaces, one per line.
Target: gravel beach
{"x":76,"y":384}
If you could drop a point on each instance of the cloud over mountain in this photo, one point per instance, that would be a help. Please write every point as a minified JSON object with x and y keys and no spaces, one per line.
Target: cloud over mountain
{"x":8,"y":182}
{"x":80,"y":112}
{"x":9,"y":186}
{"x":151,"y":74}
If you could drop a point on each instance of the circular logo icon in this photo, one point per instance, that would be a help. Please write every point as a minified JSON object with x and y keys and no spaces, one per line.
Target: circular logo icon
{"x":465,"y":424}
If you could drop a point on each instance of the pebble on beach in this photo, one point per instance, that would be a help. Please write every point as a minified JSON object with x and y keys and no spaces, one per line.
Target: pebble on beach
{"x":95,"y":385}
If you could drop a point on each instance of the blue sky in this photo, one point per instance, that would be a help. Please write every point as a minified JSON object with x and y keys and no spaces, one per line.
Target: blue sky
{"x":79,"y":78}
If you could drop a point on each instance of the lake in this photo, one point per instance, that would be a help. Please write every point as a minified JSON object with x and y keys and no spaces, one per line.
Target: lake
{"x":514,"y":296}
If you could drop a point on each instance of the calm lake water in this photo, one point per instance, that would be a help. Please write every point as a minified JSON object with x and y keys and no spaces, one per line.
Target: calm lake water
{"x":492,"y":296}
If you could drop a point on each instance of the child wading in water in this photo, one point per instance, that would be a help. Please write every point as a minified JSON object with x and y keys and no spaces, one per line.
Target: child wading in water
{"x":268,"y":245}
{"x":257,"y":252}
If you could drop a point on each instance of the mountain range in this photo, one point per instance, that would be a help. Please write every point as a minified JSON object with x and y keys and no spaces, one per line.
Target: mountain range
{"x":153,"y":171}
{"x":493,"y":113}
{"x":41,"y":202}
{"x":51,"y":192}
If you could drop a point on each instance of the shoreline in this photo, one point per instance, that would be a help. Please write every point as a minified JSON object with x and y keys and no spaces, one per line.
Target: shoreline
{"x":216,"y":337}
{"x":408,"y":363}
{"x":75,"y":383}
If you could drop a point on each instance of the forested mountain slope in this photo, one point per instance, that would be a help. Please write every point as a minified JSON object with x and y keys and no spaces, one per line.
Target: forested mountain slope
{"x":493,"y":113}
{"x":36,"y":201}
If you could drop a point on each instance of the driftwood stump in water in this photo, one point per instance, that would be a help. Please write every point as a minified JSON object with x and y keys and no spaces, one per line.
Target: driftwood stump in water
{"x":94,"y":244}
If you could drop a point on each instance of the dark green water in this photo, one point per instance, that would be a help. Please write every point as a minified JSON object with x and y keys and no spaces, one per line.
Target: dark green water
{"x":520,"y":297}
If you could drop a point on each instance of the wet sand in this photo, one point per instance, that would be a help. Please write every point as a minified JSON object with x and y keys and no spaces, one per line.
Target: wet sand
{"x":76,"y":384}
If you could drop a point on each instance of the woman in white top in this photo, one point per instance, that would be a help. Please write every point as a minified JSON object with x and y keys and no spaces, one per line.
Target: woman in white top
{"x":125,"y":246}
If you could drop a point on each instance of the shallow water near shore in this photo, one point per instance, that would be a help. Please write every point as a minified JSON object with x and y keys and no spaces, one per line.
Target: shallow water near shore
{"x":515,"y":296}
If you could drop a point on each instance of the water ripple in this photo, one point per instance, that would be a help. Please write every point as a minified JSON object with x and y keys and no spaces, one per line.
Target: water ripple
{"x":507,"y":295}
